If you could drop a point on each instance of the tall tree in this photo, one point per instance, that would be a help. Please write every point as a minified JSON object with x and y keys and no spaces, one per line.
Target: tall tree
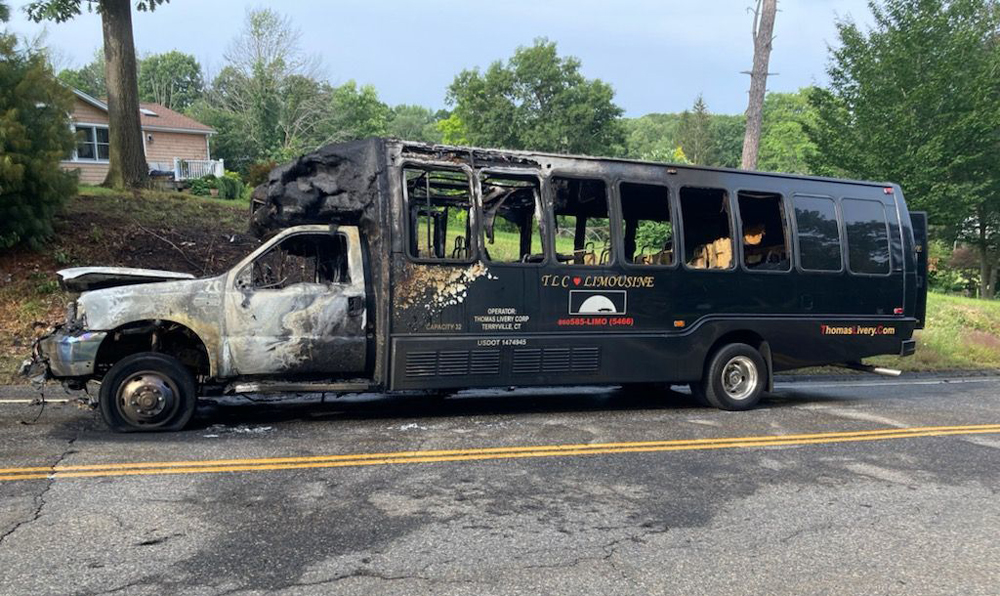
{"x":694,"y":133}
{"x":763,"y":35}
{"x":916,"y":99}
{"x":127,"y":167}
{"x":89,"y":78}
{"x":538,"y":100}
{"x":172,"y":79}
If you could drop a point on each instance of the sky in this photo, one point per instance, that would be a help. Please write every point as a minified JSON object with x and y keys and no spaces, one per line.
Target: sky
{"x":657,"y":54}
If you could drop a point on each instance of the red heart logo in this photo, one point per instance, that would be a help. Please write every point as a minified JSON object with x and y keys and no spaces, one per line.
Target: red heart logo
{"x":576,"y":281}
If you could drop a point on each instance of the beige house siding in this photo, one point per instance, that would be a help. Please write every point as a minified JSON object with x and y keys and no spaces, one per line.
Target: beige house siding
{"x":161,"y":147}
{"x":89,"y":173}
{"x":84,"y":112}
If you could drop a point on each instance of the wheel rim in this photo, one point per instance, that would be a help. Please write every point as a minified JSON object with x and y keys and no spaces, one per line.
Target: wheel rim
{"x":739,"y":378}
{"x":148,"y":399}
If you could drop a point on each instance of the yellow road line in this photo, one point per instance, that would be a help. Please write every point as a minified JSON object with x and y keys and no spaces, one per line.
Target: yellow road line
{"x":370,"y":459}
{"x":499,"y":450}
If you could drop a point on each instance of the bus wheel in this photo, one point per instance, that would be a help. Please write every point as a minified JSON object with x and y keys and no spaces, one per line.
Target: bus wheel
{"x":148,"y":392}
{"x":734,"y":378}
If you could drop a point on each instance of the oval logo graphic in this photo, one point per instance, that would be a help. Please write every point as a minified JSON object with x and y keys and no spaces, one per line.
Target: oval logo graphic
{"x":590,"y":302}
{"x":596,"y":305}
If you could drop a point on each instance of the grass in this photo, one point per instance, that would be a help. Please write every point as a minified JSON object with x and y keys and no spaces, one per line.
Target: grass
{"x":960,"y":334}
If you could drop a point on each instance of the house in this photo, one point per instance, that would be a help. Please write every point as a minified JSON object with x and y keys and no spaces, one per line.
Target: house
{"x":172,"y":142}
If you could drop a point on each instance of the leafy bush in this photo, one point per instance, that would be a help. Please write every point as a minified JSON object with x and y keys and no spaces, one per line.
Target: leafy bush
{"x":203,"y":186}
{"x":258,"y":172}
{"x":34,"y":136}
{"x":230,"y":186}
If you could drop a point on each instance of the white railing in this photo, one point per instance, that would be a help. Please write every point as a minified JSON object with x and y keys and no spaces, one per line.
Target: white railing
{"x":186,"y":169}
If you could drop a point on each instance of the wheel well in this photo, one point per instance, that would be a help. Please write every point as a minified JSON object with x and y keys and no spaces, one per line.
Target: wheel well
{"x":737,"y":337}
{"x":165,"y":337}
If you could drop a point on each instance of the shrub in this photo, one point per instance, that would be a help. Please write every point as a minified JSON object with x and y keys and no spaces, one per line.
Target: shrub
{"x":34,"y":136}
{"x":257,"y":173}
{"x":203,"y":186}
{"x":230,"y":186}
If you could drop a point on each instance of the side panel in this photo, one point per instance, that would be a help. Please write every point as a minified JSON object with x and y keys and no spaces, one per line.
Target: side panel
{"x":477,"y":325}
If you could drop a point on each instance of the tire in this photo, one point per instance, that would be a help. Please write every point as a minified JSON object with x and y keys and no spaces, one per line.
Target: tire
{"x":148,"y":392}
{"x":735,"y":377}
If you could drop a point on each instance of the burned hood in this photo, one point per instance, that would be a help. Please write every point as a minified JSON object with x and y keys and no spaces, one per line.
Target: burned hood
{"x":84,"y":279}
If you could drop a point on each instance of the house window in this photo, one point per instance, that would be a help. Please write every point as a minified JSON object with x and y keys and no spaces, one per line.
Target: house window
{"x":92,"y":143}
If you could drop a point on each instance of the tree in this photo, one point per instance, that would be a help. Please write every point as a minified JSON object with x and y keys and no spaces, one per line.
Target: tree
{"x":415,"y":123}
{"x":540,"y":101}
{"x":34,"y":136}
{"x":694,"y":133}
{"x":127,"y":161}
{"x":172,"y":79}
{"x":763,"y":34}
{"x":915,"y":99}
{"x":356,"y":113}
{"x":89,"y":78}
{"x":784,"y":144}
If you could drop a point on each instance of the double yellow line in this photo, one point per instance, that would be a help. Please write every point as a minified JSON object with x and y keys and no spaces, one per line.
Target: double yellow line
{"x":449,"y":455}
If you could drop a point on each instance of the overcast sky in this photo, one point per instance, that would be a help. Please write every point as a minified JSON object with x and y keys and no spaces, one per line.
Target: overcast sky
{"x":657,"y":54}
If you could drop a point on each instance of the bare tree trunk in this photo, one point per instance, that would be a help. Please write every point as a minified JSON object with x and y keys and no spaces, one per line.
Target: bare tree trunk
{"x":985,"y":267}
{"x":127,"y":160}
{"x":763,"y":29}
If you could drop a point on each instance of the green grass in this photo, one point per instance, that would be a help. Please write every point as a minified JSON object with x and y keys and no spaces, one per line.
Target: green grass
{"x":960,"y":333}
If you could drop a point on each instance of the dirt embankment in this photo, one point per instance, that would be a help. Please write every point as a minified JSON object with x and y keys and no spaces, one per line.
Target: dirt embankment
{"x":171,"y":231}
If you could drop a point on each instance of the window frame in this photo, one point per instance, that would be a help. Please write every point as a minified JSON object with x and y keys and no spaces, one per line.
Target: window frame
{"x":77,"y":126}
{"x":547,"y":253}
{"x":888,"y":239}
{"x":473,"y":211}
{"x":841,"y":236}
{"x":672,"y":197}
{"x":269,"y":249}
{"x":613,"y":216}
{"x":732,"y":226}
{"x":788,"y":232}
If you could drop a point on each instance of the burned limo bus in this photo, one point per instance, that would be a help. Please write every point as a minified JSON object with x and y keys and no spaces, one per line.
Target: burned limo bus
{"x":396,"y":266}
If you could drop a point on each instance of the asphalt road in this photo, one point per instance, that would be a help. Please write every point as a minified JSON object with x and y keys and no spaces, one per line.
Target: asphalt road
{"x":863,"y":487}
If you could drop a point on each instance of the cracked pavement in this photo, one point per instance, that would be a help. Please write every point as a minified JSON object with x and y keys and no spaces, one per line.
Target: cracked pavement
{"x":902,"y":516}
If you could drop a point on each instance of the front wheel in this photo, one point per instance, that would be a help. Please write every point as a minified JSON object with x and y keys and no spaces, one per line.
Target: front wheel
{"x":734,"y":378}
{"x":148,"y":392}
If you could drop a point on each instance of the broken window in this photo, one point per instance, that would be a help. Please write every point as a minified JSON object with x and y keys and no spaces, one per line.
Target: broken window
{"x":818,"y":233}
{"x":511,"y":219}
{"x":439,"y":205}
{"x":582,"y":224}
{"x":303,"y":258}
{"x":649,"y":232}
{"x":708,"y":242}
{"x":867,"y":236}
{"x":765,"y":241}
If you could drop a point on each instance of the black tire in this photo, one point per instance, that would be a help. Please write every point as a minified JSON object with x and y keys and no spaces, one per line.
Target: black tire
{"x":148,"y":392}
{"x":698,"y":394}
{"x":735,"y":377}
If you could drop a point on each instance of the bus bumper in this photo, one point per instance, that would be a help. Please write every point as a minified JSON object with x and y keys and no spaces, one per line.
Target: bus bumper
{"x":908,"y":347}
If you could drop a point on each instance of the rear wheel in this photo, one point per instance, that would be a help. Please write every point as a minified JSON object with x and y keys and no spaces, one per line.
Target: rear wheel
{"x":148,"y":392}
{"x":734,"y":378}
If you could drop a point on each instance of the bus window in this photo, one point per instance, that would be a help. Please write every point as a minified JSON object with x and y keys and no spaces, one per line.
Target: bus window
{"x":867,"y":236}
{"x":708,"y":242}
{"x":583,"y":226}
{"x":511,"y":219}
{"x":649,"y":233}
{"x":439,"y":202}
{"x":818,"y":233}
{"x":765,"y":243}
